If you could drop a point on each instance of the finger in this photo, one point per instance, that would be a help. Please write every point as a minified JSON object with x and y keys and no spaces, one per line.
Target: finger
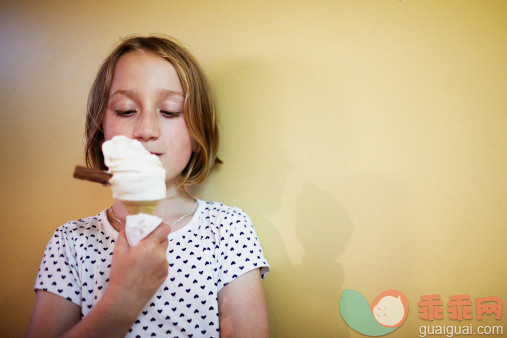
{"x":165,"y":244}
{"x":160,"y":233}
{"x":122,"y":245}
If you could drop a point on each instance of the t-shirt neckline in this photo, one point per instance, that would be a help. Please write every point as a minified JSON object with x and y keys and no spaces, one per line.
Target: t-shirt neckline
{"x":111,"y":231}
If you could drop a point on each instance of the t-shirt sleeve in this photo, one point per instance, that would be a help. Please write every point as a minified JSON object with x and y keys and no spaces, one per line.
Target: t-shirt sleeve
{"x":58,"y":271}
{"x":240,"y":249}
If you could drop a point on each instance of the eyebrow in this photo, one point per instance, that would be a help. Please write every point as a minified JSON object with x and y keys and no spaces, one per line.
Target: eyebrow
{"x":133,"y":94}
{"x":168,"y":93}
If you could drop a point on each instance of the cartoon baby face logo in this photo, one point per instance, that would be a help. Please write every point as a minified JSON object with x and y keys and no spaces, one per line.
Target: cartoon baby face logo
{"x":390,"y":308}
{"x":386,"y":313}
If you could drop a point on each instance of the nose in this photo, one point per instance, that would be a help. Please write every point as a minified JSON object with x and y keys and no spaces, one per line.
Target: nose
{"x":147,"y":126}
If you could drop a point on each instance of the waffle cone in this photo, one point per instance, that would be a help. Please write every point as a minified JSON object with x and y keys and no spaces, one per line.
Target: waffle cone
{"x":137,"y":207}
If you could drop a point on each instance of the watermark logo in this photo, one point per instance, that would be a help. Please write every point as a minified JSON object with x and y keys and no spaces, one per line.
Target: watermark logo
{"x":459,"y":307}
{"x":387,"y":312}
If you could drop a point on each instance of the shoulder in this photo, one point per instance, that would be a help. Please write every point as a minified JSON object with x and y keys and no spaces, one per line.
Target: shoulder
{"x":81,"y":227}
{"x":230,"y":226}
{"x":72,"y":246}
{"x":80,"y":233}
{"x":224,"y":222}
{"x":237,"y":247}
{"x":218,"y":211}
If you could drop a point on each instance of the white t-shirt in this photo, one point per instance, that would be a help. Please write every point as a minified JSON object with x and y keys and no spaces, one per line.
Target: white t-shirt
{"x":215,"y":247}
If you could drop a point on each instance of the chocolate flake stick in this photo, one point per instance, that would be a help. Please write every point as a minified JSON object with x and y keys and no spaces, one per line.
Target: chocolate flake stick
{"x":94,"y":175}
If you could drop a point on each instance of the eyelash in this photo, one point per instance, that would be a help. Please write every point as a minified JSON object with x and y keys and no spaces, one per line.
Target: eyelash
{"x":170,"y":114}
{"x":124,"y":113}
{"x":165,"y":113}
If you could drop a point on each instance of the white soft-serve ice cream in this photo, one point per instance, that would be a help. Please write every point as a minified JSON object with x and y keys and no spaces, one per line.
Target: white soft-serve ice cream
{"x":138,"y":182}
{"x":137,"y":174}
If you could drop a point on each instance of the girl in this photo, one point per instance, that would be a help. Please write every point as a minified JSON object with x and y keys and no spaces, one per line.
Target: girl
{"x":199,"y":272}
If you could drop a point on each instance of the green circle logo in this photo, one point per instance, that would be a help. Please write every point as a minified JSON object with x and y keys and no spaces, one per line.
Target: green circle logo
{"x":387,"y":312}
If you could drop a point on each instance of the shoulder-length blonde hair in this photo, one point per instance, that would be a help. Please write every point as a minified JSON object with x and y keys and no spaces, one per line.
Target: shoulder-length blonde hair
{"x":198,"y":109}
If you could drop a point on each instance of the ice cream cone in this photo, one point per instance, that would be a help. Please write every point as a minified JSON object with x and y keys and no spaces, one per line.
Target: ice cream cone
{"x":137,"y":207}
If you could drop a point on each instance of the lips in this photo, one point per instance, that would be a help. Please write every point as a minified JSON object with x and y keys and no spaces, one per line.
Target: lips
{"x":153,"y":152}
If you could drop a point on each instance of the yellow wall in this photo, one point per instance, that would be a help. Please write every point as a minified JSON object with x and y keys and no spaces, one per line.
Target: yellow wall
{"x":366,"y":139}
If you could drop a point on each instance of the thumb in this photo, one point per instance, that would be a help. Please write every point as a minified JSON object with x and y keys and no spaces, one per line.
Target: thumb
{"x":161,"y":232}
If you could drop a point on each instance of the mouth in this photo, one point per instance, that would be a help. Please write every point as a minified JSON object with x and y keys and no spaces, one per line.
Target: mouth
{"x":156,"y":154}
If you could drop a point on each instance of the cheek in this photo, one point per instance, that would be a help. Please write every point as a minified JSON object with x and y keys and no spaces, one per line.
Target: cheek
{"x":113,"y":128}
{"x":182,"y":148}
{"x":108,"y":128}
{"x":180,"y":137}
{"x":178,"y":145}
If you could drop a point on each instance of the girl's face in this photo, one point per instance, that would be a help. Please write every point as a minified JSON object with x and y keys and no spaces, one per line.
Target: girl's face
{"x":146,"y":103}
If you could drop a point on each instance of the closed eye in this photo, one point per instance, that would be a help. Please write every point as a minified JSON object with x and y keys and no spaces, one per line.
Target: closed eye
{"x":124,"y":113}
{"x":169,"y":114}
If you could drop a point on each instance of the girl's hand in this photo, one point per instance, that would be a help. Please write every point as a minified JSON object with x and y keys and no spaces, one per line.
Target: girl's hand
{"x":137,"y":272}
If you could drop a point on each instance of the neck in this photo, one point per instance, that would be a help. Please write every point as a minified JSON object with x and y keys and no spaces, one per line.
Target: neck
{"x":177,"y":203}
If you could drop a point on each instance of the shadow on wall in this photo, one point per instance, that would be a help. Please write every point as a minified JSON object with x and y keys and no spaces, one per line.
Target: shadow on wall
{"x":303,"y":299}
{"x":308,"y":293}
{"x":323,"y":227}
